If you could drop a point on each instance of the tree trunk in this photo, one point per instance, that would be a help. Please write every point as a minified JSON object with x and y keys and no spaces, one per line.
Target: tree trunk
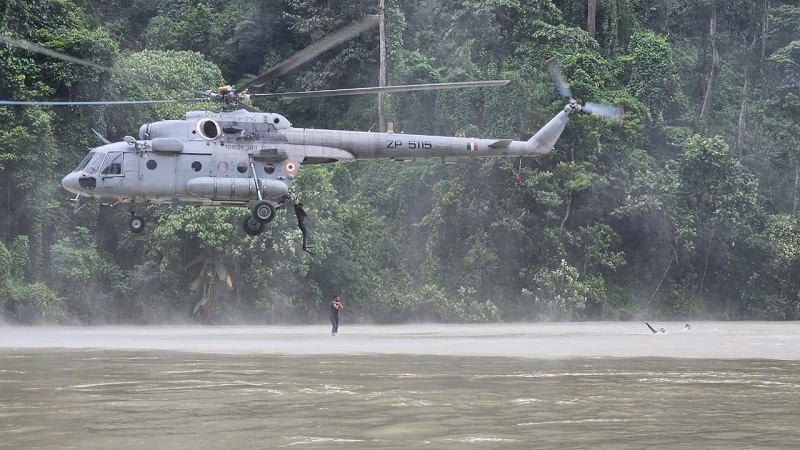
{"x":591,"y":19}
{"x":745,"y":94}
{"x":566,"y":213}
{"x":797,"y":187}
{"x":569,"y":193}
{"x":705,"y":268}
{"x":712,"y":75}
{"x":761,"y":63}
{"x":743,"y":112}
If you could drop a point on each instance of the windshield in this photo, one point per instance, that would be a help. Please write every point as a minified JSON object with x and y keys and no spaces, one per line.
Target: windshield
{"x":85,"y":161}
{"x":94,"y":163}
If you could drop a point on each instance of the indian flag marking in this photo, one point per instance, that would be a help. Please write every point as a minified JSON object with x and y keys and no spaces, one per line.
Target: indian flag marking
{"x":472,"y":146}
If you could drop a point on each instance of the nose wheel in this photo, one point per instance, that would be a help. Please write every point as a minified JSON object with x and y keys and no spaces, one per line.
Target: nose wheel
{"x":136,"y":223}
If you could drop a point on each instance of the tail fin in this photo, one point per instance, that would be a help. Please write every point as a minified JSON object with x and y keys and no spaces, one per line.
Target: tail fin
{"x":544,"y":139}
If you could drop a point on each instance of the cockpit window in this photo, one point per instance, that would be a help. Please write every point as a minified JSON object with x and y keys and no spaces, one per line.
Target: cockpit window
{"x":85,"y":161}
{"x":112,"y":164}
{"x":94,"y":164}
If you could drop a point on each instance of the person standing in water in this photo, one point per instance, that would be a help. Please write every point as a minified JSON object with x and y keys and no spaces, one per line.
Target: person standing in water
{"x":336,"y":306}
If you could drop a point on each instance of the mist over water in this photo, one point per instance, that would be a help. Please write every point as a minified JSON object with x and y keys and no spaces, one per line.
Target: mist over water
{"x":772,"y":340}
{"x":542,"y":385}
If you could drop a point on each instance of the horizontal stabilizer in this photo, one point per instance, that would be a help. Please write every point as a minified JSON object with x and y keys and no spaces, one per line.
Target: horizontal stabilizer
{"x":500,"y":143}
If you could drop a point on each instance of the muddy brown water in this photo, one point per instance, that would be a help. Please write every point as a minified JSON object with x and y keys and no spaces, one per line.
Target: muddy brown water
{"x":598,"y":385}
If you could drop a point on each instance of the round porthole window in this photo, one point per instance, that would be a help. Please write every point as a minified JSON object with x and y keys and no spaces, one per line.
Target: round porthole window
{"x":196,"y":166}
{"x":241,"y":167}
{"x":222,"y":167}
{"x":151,"y":164}
{"x":269,"y":168}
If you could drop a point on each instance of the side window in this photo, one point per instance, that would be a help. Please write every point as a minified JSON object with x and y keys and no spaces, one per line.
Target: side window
{"x":112,"y":165}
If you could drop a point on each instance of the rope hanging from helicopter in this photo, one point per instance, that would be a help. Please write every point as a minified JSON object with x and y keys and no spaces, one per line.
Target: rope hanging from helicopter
{"x":515,"y":171}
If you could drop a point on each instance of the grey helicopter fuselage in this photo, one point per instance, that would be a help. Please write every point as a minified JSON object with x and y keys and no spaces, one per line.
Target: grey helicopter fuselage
{"x":243,"y":158}
{"x":206,"y":159}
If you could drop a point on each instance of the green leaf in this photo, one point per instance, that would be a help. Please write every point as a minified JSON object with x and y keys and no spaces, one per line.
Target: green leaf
{"x":222,"y":272}
{"x":199,"y":304}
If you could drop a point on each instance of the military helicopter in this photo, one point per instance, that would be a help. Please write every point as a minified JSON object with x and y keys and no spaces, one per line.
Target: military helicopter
{"x":244,"y":158}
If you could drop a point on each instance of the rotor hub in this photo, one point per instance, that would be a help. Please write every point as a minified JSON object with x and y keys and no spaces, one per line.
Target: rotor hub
{"x":572,"y":106}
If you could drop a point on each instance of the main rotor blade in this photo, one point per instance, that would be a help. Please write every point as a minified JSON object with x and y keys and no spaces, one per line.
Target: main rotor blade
{"x":312,"y":51}
{"x":375,"y":90}
{"x":30,"y":46}
{"x":615,"y":113}
{"x":35,"y":48}
{"x":558,"y":77}
{"x":124,"y":102}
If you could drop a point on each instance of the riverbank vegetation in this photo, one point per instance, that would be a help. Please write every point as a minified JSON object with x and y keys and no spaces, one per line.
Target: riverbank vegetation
{"x":688,"y":209}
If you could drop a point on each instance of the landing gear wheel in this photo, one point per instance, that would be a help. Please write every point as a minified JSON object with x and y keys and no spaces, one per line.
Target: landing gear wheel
{"x":252,"y":226}
{"x":137,"y":224}
{"x":264,"y":211}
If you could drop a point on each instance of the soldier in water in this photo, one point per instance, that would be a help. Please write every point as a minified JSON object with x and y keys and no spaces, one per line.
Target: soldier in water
{"x":336,"y":306}
{"x":653,"y":329}
{"x":686,"y":327}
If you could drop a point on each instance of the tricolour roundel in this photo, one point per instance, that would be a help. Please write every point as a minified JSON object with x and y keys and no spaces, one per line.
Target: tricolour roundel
{"x":290,"y":167}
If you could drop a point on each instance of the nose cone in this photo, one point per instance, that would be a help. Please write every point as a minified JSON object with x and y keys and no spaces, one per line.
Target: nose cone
{"x":70,"y":183}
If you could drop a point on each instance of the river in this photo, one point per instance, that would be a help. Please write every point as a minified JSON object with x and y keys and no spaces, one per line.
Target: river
{"x":539,"y":385}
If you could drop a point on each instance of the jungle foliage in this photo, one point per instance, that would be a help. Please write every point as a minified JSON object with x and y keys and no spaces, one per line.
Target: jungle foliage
{"x":689,"y":209}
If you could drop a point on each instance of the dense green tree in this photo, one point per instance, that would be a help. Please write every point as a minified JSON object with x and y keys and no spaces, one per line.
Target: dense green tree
{"x":687,"y":208}
{"x":772,"y":290}
{"x":654,"y":78}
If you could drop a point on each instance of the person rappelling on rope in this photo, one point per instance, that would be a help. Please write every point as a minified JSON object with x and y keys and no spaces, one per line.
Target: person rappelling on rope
{"x":516,"y":172}
{"x":301,"y":223}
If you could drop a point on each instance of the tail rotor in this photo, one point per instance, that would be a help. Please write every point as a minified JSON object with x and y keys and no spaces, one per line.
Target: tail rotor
{"x":615,"y":113}
{"x":611,"y":112}
{"x":558,"y":78}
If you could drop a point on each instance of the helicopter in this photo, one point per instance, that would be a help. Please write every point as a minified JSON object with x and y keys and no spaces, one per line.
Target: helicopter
{"x":241,"y":157}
